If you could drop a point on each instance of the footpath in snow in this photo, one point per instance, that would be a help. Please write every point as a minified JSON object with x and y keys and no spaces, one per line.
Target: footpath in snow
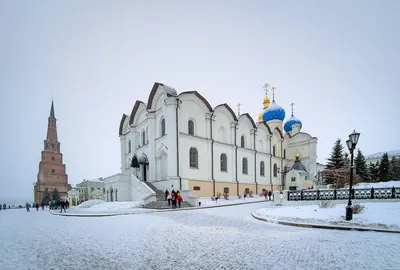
{"x":375,"y":215}
{"x":100,"y":207}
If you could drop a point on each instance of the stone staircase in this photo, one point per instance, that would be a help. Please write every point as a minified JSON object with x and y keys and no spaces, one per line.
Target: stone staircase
{"x":164,"y":205}
{"x":160,"y":195}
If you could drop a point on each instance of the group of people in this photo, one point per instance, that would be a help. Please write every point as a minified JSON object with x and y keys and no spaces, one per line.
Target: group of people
{"x":52,"y":205}
{"x":268,"y":195}
{"x":174,"y":197}
{"x":4,"y":206}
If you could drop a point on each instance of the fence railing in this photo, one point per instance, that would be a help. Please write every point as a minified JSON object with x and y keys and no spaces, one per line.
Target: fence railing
{"x":343,"y":194}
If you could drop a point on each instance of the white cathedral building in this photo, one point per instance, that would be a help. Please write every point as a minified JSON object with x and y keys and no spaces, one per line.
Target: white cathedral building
{"x":179,"y":141}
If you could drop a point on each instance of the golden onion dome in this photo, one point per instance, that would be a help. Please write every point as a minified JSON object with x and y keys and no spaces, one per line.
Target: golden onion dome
{"x":297,"y":156}
{"x":266,"y":102}
{"x":260,"y":116}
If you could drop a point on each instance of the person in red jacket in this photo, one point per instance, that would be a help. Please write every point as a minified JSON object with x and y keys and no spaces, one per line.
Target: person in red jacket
{"x":179,"y":200}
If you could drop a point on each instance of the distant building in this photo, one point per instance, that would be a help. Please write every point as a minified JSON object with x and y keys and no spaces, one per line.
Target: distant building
{"x":52,"y":172}
{"x":377,"y":156}
{"x":87,"y":190}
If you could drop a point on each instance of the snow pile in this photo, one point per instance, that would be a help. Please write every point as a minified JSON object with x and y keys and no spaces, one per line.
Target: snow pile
{"x":115,"y":206}
{"x":375,"y":215}
{"x":90,"y":203}
{"x":390,"y":184}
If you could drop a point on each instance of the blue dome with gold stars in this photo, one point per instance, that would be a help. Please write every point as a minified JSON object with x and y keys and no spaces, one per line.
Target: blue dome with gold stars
{"x":274,"y":112}
{"x":292,"y":121}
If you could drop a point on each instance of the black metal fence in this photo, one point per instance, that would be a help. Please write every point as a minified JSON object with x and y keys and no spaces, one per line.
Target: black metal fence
{"x":343,"y":194}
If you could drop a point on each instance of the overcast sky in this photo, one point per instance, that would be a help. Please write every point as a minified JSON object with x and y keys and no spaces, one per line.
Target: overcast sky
{"x":338,"y":61}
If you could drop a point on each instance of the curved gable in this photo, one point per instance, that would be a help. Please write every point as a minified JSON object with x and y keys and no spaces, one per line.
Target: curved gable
{"x":206,"y":103}
{"x":135,"y":110}
{"x":246,"y":115}
{"x":279,"y":132}
{"x":169,"y":91}
{"x":264,"y":126}
{"x":226,"y":107}
{"x":121,"y":124}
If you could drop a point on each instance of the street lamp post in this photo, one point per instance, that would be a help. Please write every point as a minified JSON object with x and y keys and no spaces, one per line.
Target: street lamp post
{"x":351,"y":145}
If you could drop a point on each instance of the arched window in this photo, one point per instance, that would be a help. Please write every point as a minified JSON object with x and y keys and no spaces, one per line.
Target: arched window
{"x":274,"y":150}
{"x":147,"y":135}
{"x":244,"y":166}
{"x":224,"y":163}
{"x":92,"y":189}
{"x":275,"y":170}
{"x":163,"y":127}
{"x":284,"y":153}
{"x":190,"y":127}
{"x":129,"y":146}
{"x":143,"y":137}
{"x":242,"y":141}
{"x":193,"y":158}
{"x":262,"y":168}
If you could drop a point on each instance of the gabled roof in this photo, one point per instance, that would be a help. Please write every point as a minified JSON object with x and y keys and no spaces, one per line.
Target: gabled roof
{"x":200,"y":97}
{"x":228,"y":108}
{"x":298,"y":166}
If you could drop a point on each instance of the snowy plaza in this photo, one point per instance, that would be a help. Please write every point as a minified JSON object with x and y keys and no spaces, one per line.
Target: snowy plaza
{"x":214,"y":238}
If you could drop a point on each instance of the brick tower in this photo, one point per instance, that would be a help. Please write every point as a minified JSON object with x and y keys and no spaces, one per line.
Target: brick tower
{"x":52,"y":172}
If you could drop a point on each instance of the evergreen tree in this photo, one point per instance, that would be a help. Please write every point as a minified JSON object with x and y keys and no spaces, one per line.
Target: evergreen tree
{"x":361,"y":165}
{"x":384,"y":168}
{"x":347,"y":161}
{"x":373,"y":171}
{"x":336,"y":160}
{"x":46,"y":197}
{"x":395,"y":168}
{"x":55,"y":196}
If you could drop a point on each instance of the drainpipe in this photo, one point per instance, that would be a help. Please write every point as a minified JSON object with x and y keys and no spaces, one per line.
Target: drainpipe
{"x":236,"y":163}
{"x":282,"y":174}
{"x":212,"y":153}
{"x":270,"y":164}
{"x":255,"y":161}
{"x":178,"y":101}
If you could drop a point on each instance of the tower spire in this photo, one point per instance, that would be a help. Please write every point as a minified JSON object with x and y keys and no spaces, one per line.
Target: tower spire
{"x":52,"y":115}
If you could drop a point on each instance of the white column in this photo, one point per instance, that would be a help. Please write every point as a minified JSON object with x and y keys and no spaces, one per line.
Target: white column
{"x":171,"y":136}
{"x":151,"y":124}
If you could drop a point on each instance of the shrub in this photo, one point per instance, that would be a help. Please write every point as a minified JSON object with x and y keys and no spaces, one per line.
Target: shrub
{"x":219,"y":195}
{"x":326,"y":204}
{"x":226,"y":196}
{"x":251,"y":194}
{"x":357,"y":208}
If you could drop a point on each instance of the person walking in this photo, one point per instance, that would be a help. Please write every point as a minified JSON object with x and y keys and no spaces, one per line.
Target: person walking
{"x":269,"y":194}
{"x":179,"y":200}
{"x":169,"y":198}
{"x":27,"y":205}
{"x":166,"y":194}
{"x":62,"y":205}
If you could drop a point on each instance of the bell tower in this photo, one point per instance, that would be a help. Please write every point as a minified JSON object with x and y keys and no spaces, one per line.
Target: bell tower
{"x":52,"y":172}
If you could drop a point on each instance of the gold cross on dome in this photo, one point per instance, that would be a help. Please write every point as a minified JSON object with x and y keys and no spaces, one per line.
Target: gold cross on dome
{"x":292,"y":104}
{"x":273,"y":92}
{"x":266,"y":88}
{"x":238,"y":108}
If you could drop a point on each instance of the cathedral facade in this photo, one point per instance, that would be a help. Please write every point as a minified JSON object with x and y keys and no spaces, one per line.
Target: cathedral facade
{"x":52,"y":172}
{"x":179,"y":141}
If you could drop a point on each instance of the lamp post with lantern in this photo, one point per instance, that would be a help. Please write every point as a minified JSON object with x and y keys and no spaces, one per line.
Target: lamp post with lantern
{"x":351,"y":145}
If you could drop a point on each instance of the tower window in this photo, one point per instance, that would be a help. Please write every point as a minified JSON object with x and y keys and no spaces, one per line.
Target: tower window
{"x":129,"y":146}
{"x":52,"y":158}
{"x":275,"y":170}
{"x":274,"y":150}
{"x":52,"y":171}
{"x":284,"y":153}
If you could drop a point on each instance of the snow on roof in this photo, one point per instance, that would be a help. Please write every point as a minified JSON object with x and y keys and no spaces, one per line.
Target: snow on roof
{"x":394,"y":153}
{"x":394,"y":183}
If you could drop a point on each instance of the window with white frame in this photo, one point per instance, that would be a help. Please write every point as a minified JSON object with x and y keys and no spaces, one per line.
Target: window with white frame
{"x":224,"y":163}
{"x":193,"y":158}
{"x":244,"y":166}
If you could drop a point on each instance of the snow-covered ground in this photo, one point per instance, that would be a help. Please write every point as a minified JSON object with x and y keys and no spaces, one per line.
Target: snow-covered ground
{"x":215,"y":238}
{"x":96,"y":207}
{"x":374,"y":215}
{"x":389,"y":184}
{"x":232,"y":200}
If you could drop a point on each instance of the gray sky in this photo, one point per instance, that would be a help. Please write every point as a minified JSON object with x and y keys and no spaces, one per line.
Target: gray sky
{"x":338,"y":61}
